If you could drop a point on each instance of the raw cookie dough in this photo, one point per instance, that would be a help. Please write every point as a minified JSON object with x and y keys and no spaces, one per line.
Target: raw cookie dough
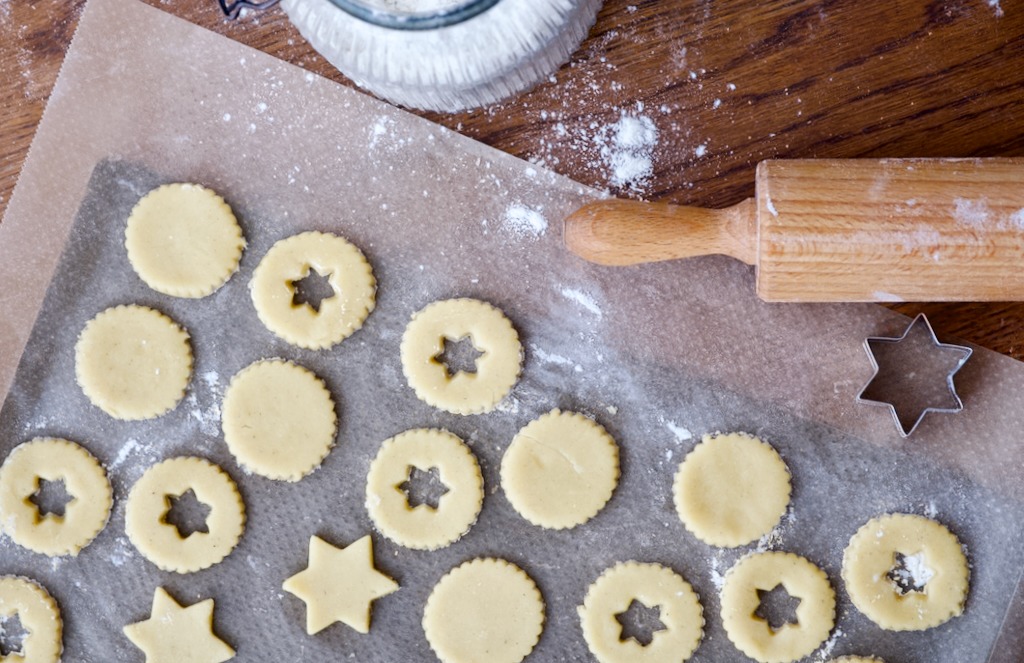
{"x":133,"y":362}
{"x":174,"y":634}
{"x":871,"y":556}
{"x":278,"y":419}
{"x":85,"y":482}
{"x":654,"y":586}
{"x":497,"y":369}
{"x":159,"y":541}
{"x":560,"y":470}
{"x":423,"y":527}
{"x":484,"y":610}
{"x":289,"y":261}
{"x":39,"y":616}
{"x":731,"y":489}
{"x":339,"y":585}
{"x":183,"y":240}
{"x":802,"y":580}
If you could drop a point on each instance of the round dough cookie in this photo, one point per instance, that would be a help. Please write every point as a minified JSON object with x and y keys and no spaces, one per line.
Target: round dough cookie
{"x":731,"y":489}
{"x":872,"y":555}
{"x":560,"y":470}
{"x":654,"y":586}
{"x":278,"y":419}
{"x":183,"y":240}
{"x":484,"y":610}
{"x":39,"y":616}
{"x":802,"y":580}
{"x":159,"y":541}
{"x":423,"y":527}
{"x":291,"y":260}
{"x":133,"y":362}
{"x":497,"y":369}
{"x":84,"y":480}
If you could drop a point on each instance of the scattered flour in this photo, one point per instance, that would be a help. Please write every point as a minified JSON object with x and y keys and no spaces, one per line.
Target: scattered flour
{"x":1017,"y":218}
{"x":627,"y":151}
{"x":826,"y":649}
{"x":522,"y":221}
{"x":997,"y":9}
{"x":771,"y":207}
{"x":882,"y":296}
{"x":550,"y":357}
{"x":130,"y":447}
{"x":681,"y":434}
{"x":973,"y":213}
{"x":583,"y":299}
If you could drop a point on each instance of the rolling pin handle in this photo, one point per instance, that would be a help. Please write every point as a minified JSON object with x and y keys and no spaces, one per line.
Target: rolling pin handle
{"x":628,"y":232}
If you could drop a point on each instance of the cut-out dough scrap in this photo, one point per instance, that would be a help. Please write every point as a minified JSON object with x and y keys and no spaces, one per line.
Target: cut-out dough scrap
{"x":85,"y":481}
{"x":39,"y":616}
{"x":802,"y":580}
{"x":423,"y":527}
{"x":654,"y":586}
{"x":484,"y":610}
{"x":176,"y":634}
{"x":871,"y":555}
{"x":560,"y":470}
{"x":289,"y":261}
{"x":497,"y":369}
{"x":183,"y":240}
{"x":731,"y":489}
{"x":133,"y":362}
{"x":159,"y":541}
{"x":339,"y":585}
{"x":279,"y":419}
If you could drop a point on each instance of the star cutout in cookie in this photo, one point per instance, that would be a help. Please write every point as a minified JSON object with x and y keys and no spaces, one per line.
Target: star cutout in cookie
{"x":339,"y":585}
{"x":913,"y":375}
{"x":174,"y":634}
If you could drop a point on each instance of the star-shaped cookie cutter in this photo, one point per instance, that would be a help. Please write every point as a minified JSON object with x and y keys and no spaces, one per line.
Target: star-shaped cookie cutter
{"x":965,"y":354}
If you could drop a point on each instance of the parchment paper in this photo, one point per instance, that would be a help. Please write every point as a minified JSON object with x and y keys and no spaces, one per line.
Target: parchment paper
{"x":656,"y":354}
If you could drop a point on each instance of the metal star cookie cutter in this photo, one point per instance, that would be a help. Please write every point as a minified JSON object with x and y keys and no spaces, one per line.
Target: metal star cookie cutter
{"x":936,"y":346}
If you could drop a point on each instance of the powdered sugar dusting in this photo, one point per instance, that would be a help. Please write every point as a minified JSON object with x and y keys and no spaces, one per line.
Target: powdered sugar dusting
{"x":523,"y":221}
{"x":997,"y":9}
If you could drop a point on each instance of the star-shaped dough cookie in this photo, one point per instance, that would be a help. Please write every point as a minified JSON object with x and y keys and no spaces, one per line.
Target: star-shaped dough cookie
{"x":339,"y":585}
{"x":174,"y":634}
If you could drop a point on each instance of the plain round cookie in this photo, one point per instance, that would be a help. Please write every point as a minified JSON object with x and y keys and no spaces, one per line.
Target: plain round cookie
{"x":497,"y":369}
{"x":423,"y":527}
{"x":133,"y":362}
{"x":484,"y":610}
{"x":278,"y":419}
{"x":38,"y":614}
{"x":803,"y":580}
{"x":560,"y":470}
{"x":731,"y":489}
{"x":159,"y":541}
{"x":183,"y":240}
{"x":871,"y":555}
{"x":654,"y":586}
{"x":290,"y":260}
{"x":85,"y":481}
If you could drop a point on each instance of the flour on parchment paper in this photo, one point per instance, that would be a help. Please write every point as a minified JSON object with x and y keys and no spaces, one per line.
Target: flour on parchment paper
{"x":523,"y":221}
{"x":583,"y":300}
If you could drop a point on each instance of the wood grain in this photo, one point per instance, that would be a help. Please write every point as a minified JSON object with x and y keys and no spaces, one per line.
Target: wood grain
{"x":728,"y":83}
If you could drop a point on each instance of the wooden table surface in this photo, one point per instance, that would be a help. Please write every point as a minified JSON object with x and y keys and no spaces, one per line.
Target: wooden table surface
{"x":729,"y":83}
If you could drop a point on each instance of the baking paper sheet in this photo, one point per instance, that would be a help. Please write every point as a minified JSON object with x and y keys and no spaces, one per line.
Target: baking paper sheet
{"x":659,"y":355}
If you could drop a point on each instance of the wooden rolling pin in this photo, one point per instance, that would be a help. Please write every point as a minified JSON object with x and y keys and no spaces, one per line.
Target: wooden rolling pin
{"x":840,"y":230}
